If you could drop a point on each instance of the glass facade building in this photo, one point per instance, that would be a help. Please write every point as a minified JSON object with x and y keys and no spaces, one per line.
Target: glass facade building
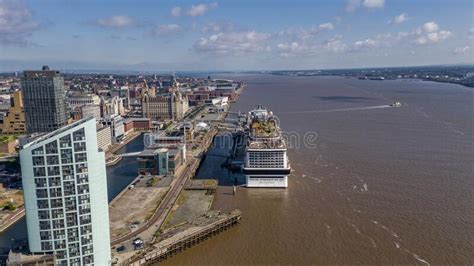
{"x":44,"y":100}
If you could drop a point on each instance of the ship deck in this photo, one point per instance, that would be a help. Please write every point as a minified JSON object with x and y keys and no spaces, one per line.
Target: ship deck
{"x":262,"y":143}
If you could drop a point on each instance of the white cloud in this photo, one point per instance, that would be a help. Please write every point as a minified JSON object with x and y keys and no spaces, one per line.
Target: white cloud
{"x":16,"y":22}
{"x":378,"y":41}
{"x":115,"y":22}
{"x":430,"y":27}
{"x":399,"y":19}
{"x":367,"y":43}
{"x":470,"y":34}
{"x":232,"y":43}
{"x":352,"y":5}
{"x":326,"y":26}
{"x":218,"y":27}
{"x":290,"y":49}
{"x":176,"y":11}
{"x":201,"y":9}
{"x":335,"y":45}
{"x":373,"y":3}
{"x":428,"y":33}
{"x":433,"y":37}
{"x":439,"y":36}
{"x":304,"y":42}
{"x":167,"y":29}
{"x":461,"y":50}
{"x":311,"y":48}
{"x":304,"y":33}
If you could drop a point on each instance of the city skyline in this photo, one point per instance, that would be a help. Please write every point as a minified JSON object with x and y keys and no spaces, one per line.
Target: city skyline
{"x":210,"y":35}
{"x":178,"y":158}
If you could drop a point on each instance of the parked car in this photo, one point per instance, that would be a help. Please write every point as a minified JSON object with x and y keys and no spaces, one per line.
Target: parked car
{"x":138,"y":243}
{"x":121,"y":249}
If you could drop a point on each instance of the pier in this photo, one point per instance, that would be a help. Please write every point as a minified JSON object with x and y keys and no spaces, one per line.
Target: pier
{"x":113,"y":160}
{"x":214,"y":223}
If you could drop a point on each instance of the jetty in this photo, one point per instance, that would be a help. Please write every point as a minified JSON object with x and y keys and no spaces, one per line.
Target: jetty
{"x":203,"y":228}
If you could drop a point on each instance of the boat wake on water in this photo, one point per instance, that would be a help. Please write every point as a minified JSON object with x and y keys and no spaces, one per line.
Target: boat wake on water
{"x":339,"y":110}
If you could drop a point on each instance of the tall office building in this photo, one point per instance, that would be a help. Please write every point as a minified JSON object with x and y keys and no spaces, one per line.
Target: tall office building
{"x":65,"y":188}
{"x":44,"y":100}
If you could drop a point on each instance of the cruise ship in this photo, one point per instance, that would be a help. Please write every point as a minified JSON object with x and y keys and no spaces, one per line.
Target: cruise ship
{"x":266,"y":162}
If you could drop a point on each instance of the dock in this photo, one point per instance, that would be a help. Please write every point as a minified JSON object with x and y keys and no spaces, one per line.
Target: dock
{"x":113,"y":160}
{"x":208,"y":226}
{"x":161,"y":241}
{"x":116,"y":147}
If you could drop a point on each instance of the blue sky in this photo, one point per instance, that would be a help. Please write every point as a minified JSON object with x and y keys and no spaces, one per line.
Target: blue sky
{"x":234,"y":35}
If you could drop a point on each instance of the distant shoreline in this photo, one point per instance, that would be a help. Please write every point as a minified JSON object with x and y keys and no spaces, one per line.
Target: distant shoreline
{"x":467,"y":85}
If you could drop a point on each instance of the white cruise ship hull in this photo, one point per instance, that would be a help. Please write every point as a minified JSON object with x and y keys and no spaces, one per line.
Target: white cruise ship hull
{"x":267,"y":181}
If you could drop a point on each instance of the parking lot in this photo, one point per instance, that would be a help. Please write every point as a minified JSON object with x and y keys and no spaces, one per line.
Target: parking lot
{"x":136,"y":205}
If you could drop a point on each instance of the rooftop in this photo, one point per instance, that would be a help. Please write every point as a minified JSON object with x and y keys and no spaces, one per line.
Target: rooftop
{"x":46,"y":72}
{"x":140,"y":119}
{"x":44,"y":137}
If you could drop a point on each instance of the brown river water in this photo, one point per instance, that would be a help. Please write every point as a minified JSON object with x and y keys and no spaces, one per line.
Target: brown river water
{"x":378,"y":185}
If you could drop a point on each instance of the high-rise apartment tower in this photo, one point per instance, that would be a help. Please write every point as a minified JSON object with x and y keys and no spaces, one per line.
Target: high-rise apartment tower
{"x":65,"y":188}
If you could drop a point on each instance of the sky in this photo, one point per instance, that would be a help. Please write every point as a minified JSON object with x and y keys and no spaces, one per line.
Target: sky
{"x":233,"y":35}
